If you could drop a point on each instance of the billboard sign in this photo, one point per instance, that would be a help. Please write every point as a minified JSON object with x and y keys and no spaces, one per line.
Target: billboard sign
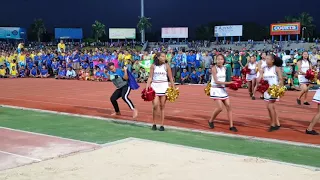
{"x":12,"y":33}
{"x":122,"y":33}
{"x":285,"y":28}
{"x":228,"y":31}
{"x":68,"y":33}
{"x":172,"y":32}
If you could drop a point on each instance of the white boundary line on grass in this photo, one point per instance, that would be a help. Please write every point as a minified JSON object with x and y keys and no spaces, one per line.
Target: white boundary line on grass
{"x":167,"y":127}
{"x":120,"y":141}
{"x":21,"y":156}
{"x":51,"y":136}
{"x":228,"y":154}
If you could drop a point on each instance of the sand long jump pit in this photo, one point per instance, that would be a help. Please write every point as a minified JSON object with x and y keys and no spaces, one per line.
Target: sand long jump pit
{"x":135,"y":159}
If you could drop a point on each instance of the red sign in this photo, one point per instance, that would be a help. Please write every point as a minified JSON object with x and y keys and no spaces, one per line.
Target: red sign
{"x":285,"y":28}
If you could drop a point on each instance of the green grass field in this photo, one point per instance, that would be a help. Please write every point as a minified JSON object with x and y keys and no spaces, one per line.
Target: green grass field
{"x":98,"y":131}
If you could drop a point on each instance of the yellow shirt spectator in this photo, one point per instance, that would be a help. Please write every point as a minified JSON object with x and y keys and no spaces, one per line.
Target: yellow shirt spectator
{"x":12,"y":65}
{"x":2,"y":72}
{"x":61,"y":47}
{"x":2,"y":59}
{"x":127,"y":59}
{"x":13,"y":72}
{"x":120,"y":57}
{"x":22,"y":58}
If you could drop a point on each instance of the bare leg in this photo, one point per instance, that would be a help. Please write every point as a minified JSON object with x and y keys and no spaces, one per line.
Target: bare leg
{"x":272,"y":113}
{"x":229,"y":111}
{"x":217,"y":111}
{"x":303,"y":90}
{"x":315,"y":119}
{"x":155,"y":104}
{"x":254,"y":87}
{"x":250,"y":87}
{"x":163,"y":100}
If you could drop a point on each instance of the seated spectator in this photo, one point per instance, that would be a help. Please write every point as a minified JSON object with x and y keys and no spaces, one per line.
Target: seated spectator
{"x":88,"y":75}
{"x":100,"y":75}
{"x":185,"y":77}
{"x":81,"y":74}
{"x":55,"y":66}
{"x":143,"y":76}
{"x":34,"y":72}
{"x":3,"y":71}
{"x":287,"y":75}
{"x":102,"y":66}
{"x":194,"y":77}
{"x":22,"y":72}
{"x":64,"y":64}
{"x":61,"y":73}
{"x":71,"y":74}
{"x":69,"y":64}
{"x":296,"y":84}
{"x":13,"y":64}
{"x":85,"y":65}
{"x":208,"y":74}
{"x":135,"y":75}
{"x":44,"y":72}
{"x":200,"y":74}
{"x":13,"y":72}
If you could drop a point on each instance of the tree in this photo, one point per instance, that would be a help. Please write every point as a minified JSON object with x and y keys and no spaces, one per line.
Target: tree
{"x":98,"y":29}
{"x":306,"y":21}
{"x":38,"y":28}
{"x":143,"y":24}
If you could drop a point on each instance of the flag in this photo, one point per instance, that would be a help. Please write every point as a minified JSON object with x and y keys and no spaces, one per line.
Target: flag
{"x":132,"y":81}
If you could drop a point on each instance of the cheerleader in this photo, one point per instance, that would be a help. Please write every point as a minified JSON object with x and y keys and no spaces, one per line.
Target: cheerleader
{"x":316,"y":118}
{"x":219,"y":93}
{"x":261,"y":65}
{"x":158,"y":80}
{"x":252,"y":76}
{"x":303,"y":65}
{"x":273,"y":74}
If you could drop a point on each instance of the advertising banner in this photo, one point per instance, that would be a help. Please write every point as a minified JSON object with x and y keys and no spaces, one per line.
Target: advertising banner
{"x":122,"y":33}
{"x":12,"y":33}
{"x":172,"y":32}
{"x":285,"y":28}
{"x":228,"y":31}
{"x":68,"y":33}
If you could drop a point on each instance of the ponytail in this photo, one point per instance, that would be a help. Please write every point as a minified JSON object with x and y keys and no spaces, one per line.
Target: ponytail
{"x":277,"y":61}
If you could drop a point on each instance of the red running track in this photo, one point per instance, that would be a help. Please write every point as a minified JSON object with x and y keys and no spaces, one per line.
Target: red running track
{"x":191,"y":110}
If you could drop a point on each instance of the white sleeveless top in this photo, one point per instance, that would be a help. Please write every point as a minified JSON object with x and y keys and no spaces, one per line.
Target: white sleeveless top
{"x":263,"y":64}
{"x":304,"y":65}
{"x":221,"y":76}
{"x":270,"y":75}
{"x":252,"y":68}
{"x":160,"y":73}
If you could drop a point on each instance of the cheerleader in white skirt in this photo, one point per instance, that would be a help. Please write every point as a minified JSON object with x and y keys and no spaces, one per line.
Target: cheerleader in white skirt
{"x":261,"y":65}
{"x":252,"y":76}
{"x":303,"y":65}
{"x":273,"y":74}
{"x":316,"y":118}
{"x":158,"y":80}
{"x":218,"y":92}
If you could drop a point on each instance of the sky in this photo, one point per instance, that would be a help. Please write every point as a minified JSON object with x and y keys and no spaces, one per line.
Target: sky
{"x":163,"y":13}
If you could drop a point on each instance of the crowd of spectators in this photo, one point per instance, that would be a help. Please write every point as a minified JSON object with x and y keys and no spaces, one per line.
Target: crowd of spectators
{"x":72,"y":61}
